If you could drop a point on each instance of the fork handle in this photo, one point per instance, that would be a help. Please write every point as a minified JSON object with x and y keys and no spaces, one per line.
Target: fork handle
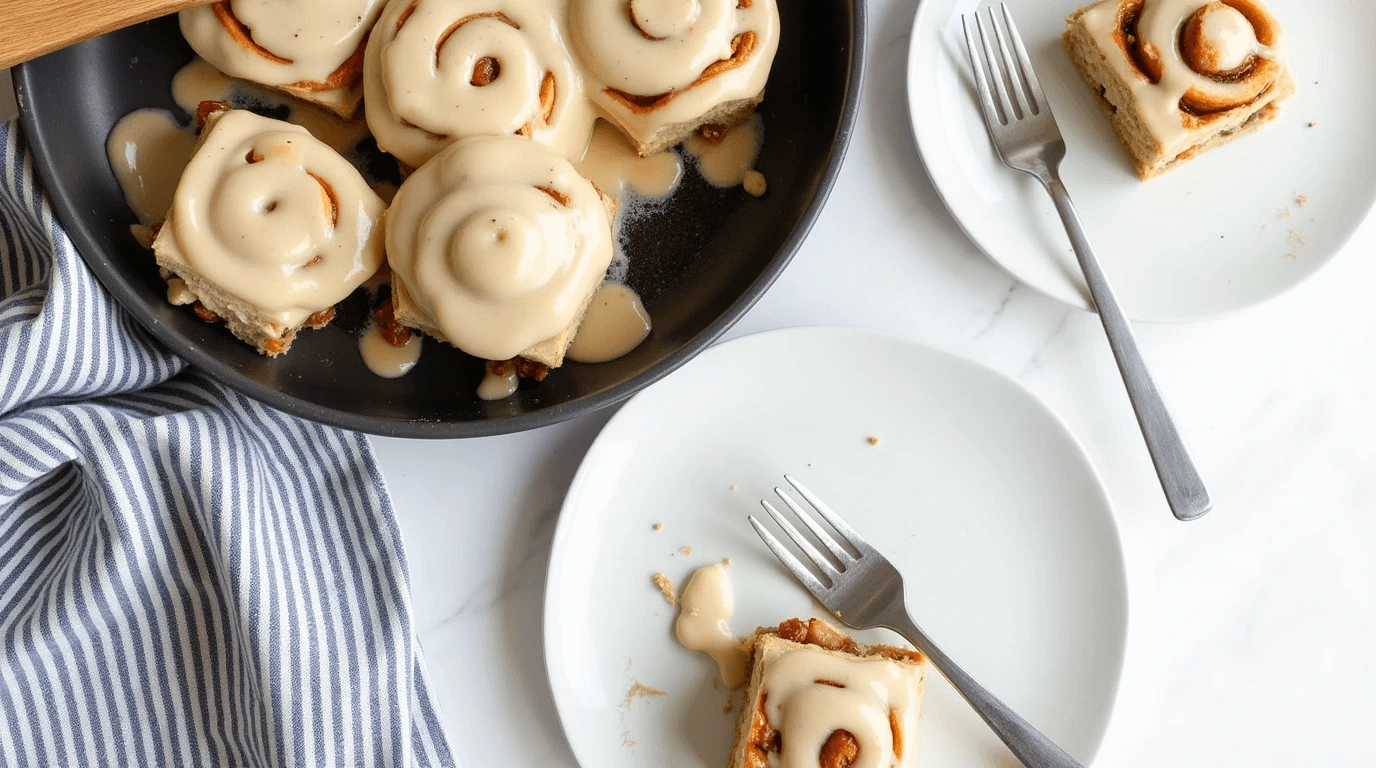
{"x":1184,"y":489}
{"x":1028,"y":744}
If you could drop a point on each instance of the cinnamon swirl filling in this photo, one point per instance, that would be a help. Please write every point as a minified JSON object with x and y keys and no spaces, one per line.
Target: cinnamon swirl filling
{"x":1221,"y":54}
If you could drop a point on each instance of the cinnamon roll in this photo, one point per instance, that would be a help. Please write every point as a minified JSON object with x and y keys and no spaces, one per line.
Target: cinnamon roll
{"x":269,"y":229}
{"x":496,"y":247}
{"x":660,"y":69}
{"x":437,"y":71}
{"x":818,"y":698}
{"x":311,"y":49}
{"x":1177,"y":77}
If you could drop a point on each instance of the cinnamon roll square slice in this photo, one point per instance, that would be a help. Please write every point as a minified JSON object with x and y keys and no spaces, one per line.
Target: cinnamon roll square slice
{"x":812,"y":687}
{"x":1179,"y":77}
{"x":269,"y":229}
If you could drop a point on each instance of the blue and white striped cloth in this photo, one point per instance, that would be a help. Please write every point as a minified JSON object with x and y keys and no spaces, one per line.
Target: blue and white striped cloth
{"x":187,"y":577}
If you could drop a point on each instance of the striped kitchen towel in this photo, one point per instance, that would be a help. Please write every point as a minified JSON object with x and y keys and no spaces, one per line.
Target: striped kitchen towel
{"x":187,"y":577}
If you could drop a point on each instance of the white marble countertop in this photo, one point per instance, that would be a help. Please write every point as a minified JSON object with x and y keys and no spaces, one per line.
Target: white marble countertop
{"x":1274,"y":403}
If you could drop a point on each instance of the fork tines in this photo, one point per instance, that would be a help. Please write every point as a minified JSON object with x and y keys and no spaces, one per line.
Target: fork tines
{"x":1019,"y":93}
{"x":830,"y":568}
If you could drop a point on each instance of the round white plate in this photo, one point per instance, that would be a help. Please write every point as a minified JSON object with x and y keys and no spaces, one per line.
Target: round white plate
{"x":1235,"y":226}
{"x":976,"y":491}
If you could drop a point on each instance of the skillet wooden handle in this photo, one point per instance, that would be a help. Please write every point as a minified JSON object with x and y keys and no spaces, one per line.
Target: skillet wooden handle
{"x":31,"y":28}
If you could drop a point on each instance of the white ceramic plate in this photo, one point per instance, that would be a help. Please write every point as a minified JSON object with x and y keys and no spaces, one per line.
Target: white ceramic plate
{"x":976,"y":491}
{"x":1220,"y":232}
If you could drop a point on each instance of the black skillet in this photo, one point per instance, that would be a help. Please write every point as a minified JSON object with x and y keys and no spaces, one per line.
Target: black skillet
{"x":698,"y":265}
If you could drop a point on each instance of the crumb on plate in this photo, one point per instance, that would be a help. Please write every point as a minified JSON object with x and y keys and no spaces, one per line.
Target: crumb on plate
{"x":641,"y":691}
{"x":666,"y":588}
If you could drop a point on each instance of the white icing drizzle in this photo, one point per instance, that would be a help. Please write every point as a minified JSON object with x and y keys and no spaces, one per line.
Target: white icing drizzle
{"x":1159,"y":27}
{"x":498,"y":386}
{"x":178,"y":293}
{"x":704,"y":622}
{"x":616,"y":323}
{"x":657,"y":48}
{"x":1231,"y":35}
{"x":727,"y":162}
{"x":147,"y":152}
{"x":500,"y":241}
{"x":613,"y":165}
{"x":297,"y":41}
{"x":384,"y":358}
{"x":276,"y":218}
{"x":806,"y":711}
{"x":425,"y":84}
{"x":198,"y":81}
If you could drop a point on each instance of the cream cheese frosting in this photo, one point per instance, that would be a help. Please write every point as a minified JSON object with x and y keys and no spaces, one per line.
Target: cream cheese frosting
{"x":704,"y":622}
{"x":501,"y":241}
{"x":659,"y":63}
{"x":810,"y":694}
{"x":440,"y":70}
{"x":275,"y":218}
{"x":291,"y":41}
{"x":1227,"y":37}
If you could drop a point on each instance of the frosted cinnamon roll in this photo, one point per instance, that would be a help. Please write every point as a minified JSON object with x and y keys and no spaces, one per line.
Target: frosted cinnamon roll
{"x":1177,"y":77}
{"x":440,"y":70}
{"x":269,"y":229}
{"x":311,"y":49}
{"x":496,"y":246}
{"x":818,"y":698}
{"x":660,"y":69}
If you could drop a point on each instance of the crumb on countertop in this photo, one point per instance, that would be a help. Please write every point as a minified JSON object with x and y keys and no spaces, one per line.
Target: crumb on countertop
{"x":1313,"y":123}
{"x":686,"y":549}
{"x":734,"y":486}
{"x":726,"y":561}
{"x":658,"y":526}
{"x":873,"y":440}
{"x":666,"y":588}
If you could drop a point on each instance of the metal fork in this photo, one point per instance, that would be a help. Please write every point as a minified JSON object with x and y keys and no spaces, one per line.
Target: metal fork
{"x":1027,"y":139}
{"x":864,"y":590}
